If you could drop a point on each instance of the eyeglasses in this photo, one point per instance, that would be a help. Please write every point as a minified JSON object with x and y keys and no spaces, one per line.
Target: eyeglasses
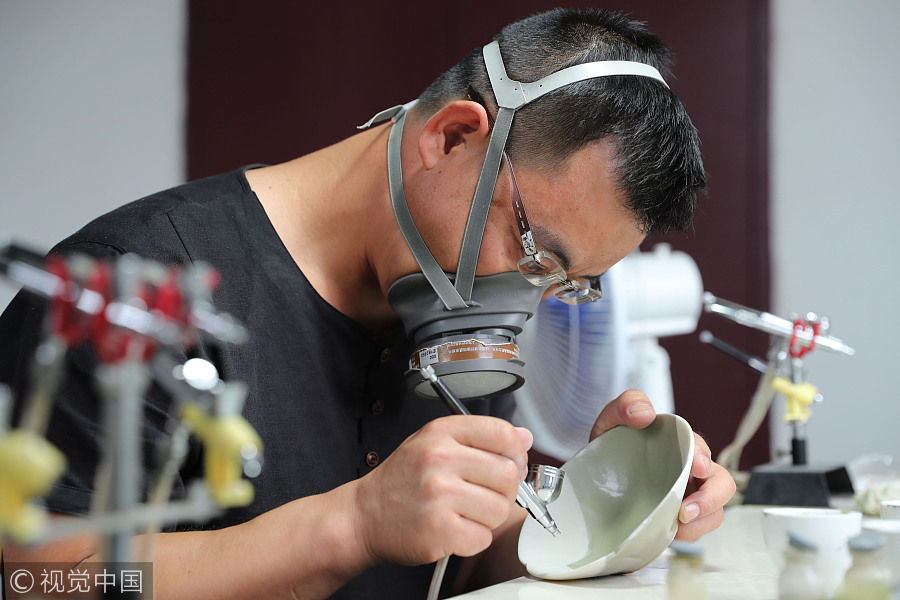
{"x":540,"y":268}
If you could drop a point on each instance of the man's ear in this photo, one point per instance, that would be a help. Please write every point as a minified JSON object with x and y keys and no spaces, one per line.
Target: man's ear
{"x":453,"y":127}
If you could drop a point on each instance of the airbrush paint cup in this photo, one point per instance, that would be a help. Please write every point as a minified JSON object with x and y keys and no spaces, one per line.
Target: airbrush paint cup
{"x":546,"y":481}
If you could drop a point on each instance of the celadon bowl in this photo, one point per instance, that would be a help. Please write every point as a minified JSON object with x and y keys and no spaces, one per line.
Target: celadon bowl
{"x":618,"y":509}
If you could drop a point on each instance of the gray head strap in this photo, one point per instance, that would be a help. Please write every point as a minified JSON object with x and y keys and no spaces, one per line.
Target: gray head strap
{"x":511,"y":95}
{"x":430,"y":267}
{"x":388,"y":113}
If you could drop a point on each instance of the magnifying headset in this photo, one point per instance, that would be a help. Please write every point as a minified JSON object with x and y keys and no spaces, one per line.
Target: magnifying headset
{"x":465,"y":326}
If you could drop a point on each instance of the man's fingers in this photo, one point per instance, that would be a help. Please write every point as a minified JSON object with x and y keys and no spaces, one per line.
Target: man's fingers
{"x":699,"y":527}
{"x":485,"y":433}
{"x":526,"y":436}
{"x":632,"y":409}
{"x":701,"y":468}
{"x":490,"y":470}
{"x":711,"y":496}
{"x":700,"y":444}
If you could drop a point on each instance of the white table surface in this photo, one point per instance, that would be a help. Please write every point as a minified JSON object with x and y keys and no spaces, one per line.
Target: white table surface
{"x":736,"y":564}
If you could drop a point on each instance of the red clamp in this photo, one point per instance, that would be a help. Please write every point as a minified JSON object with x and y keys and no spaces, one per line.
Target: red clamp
{"x":110,"y":342}
{"x":166,"y":300}
{"x":65,"y":320}
{"x":800,"y":325}
{"x":169,"y":300}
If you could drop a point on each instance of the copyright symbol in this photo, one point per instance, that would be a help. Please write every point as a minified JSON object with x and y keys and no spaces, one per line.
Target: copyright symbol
{"x":21,"y":581}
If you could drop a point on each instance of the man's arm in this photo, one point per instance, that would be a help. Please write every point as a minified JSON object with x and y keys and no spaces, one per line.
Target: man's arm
{"x":307,"y":548}
{"x":443,"y":491}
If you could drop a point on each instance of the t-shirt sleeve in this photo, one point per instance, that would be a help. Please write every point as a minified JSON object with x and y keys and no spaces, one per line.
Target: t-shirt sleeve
{"x":75,"y":425}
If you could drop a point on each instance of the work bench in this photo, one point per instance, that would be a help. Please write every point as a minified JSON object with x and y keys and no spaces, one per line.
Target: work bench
{"x":736,"y":563}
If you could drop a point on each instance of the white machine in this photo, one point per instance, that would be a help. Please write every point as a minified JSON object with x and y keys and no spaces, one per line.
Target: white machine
{"x":578,"y":358}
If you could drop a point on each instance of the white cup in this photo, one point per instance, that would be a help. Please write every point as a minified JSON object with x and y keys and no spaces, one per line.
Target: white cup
{"x":829,"y":529}
{"x":890,"y":531}
{"x":890,"y":509}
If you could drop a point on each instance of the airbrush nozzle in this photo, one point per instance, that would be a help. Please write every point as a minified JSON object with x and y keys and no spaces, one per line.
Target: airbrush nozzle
{"x":527,"y":497}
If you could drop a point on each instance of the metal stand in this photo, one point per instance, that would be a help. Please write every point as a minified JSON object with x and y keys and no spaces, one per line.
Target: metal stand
{"x":797,"y":484}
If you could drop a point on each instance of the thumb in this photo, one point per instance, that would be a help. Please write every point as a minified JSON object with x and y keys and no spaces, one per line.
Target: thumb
{"x":632,"y":409}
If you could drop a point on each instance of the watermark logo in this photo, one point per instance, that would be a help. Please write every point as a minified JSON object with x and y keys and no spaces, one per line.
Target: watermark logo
{"x":21,"y":581}
{"x":133,"y":581}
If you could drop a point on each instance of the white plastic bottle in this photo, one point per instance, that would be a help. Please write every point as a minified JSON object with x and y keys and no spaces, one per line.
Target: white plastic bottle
{"x":799,"y":579}
{"x":686,"y":580}
{"x":868,"y":577}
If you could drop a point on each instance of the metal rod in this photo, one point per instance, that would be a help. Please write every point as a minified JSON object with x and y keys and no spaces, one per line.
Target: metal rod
{"x":771,"y":324}
{"x":197,"y":506}
{"x":751,"y":361}
{"x":453,"y":403}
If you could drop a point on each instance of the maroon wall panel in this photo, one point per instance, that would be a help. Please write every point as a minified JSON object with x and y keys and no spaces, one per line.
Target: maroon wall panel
{"x":281,"y":79}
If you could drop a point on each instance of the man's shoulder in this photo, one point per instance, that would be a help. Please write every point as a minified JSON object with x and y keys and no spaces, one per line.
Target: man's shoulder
{"x":156,"y":225}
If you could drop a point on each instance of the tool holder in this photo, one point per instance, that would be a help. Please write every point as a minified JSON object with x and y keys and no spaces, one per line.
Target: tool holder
{"x":783,"y":372}
{"x":137,"y":315}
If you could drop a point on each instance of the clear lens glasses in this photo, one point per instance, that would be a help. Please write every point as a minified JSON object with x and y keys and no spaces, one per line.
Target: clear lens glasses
{"x":543,"y":270}
{"x":540,"y":268}
{"x":574,"y":292}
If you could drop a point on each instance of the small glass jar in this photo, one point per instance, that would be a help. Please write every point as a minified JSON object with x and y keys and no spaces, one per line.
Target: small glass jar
{"x":686,"y":580}
{"x":799,"y":579}
{"x":868,"y":577}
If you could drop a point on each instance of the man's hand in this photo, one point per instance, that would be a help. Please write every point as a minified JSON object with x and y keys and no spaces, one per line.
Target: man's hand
{"x":710,"y":485}
{"x":443,"y":490}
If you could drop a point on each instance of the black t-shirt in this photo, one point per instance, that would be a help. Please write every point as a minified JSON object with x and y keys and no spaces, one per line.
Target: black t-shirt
{"x":326,"y":395}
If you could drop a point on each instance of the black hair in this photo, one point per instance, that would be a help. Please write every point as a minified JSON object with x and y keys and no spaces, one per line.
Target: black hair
{"x":657,"y":148}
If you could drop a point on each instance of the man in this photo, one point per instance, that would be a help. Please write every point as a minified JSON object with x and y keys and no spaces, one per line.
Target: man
{"x":363,"y":481}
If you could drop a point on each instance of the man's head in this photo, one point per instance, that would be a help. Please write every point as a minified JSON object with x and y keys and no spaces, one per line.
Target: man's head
{"x":656,"y":151}
{"x":603,"y":155}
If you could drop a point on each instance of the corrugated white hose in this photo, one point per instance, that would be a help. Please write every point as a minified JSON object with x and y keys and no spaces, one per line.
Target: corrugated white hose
{"x":730,"y":456}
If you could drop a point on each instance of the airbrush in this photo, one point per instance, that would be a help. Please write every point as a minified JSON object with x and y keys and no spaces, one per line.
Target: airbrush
{"x":543,"y":483}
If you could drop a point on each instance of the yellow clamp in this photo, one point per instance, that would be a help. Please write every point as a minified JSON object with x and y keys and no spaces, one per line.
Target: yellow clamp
{"x":29,"y":465}
{"x":225,"y":439}
{"x":798,"y":397}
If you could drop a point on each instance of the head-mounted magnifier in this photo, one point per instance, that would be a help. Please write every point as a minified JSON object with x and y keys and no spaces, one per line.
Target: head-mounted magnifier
{"x":465,"y":326}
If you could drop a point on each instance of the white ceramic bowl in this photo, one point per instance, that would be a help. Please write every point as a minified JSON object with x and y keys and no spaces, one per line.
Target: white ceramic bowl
{"x":619,"y":503}
{"x":828,"y":528}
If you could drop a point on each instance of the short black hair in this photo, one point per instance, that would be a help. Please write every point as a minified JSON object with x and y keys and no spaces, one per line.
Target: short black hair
{"x":658,"y":152}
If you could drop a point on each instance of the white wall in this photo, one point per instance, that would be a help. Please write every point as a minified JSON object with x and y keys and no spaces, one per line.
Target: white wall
{"x":835,"y":209}
{"x":92,"y":102}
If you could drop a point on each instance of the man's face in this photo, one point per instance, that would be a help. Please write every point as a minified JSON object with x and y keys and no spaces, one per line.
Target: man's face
{"x":576,"y":213}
